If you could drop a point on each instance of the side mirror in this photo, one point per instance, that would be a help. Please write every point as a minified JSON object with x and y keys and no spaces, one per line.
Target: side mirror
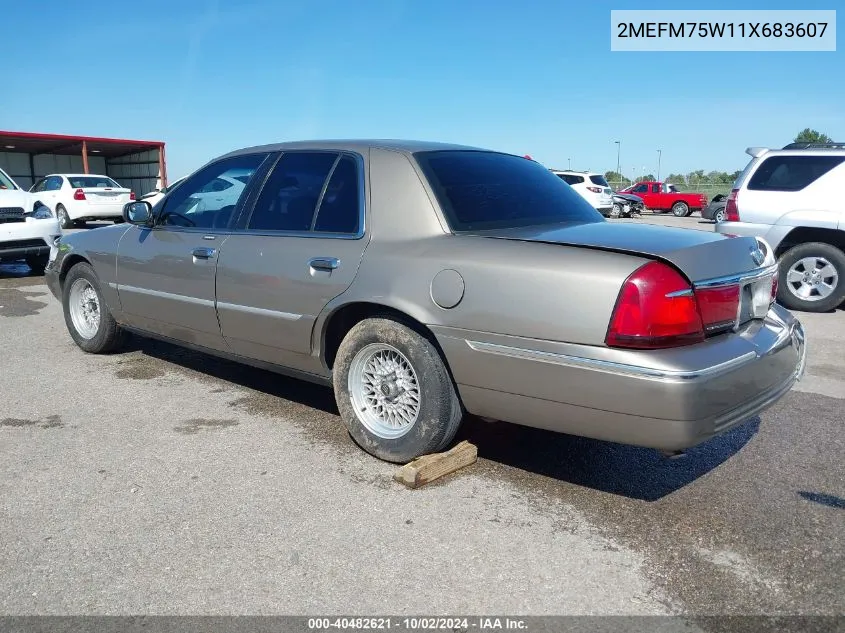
{"x":139,"y":212}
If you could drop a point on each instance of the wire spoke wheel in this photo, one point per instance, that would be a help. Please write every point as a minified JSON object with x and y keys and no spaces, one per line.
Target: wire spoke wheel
{"x":384,"y":390}
{"x":84,"y":306}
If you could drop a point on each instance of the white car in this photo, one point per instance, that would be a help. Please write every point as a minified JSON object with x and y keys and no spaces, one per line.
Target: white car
{"x":28,"y":230}
{"x":592,"y":187}
{"x":75,"y":198}
{"x":220,"y":192}
{"x":154,"y":196}
{"x":792,"y":198}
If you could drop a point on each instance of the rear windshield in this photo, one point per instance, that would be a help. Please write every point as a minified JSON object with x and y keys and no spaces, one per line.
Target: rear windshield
{"x":791,"y":173}
{"x":92,"y":182}
{"x":599,"y":180}
{"x":488,"y":190}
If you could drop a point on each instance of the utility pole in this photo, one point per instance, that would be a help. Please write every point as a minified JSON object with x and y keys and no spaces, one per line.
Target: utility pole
{"x":618,"y":153}
{"x":659,"y":155}
{"x":570,"y":164}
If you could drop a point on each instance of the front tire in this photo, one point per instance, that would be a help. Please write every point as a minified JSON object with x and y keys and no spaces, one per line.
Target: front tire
{"x":87,"y":316}
{"x":616,"y":211}
{"x":37,"y":263}
{"x":720,"y":216}
{"x":812,"y":277}
{"x":394,"y":392}
{"x":680,"y":209}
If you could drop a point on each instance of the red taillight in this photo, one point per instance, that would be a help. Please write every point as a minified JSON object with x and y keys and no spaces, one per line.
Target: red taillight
{"x":719,"y":307}
{"x":656,"y":308}
{"x":131,"y":195}
{"x":731,"y":209}
{"x":79,"y":195}
{"x":594,"y":189}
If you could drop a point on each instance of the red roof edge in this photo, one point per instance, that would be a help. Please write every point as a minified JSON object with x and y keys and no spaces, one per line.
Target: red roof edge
{"x":72,"y":138}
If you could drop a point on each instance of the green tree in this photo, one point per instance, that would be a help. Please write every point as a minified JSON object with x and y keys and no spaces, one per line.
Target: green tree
{"x":676,"y":179}
{"x":613,"y":176}
{"x":808,"y":135}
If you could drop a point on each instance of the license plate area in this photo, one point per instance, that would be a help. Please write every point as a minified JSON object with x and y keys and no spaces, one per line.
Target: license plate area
{"x":756,"y":299}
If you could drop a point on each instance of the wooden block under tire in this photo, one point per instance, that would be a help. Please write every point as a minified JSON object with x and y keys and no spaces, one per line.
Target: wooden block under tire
{"x":430,"y":467}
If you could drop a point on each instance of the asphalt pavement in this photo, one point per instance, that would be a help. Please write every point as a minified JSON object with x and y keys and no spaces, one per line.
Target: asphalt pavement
{"x":163,"y":481}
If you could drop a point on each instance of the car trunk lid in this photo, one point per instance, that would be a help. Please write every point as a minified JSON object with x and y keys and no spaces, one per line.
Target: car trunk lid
{"x":699,"y":255}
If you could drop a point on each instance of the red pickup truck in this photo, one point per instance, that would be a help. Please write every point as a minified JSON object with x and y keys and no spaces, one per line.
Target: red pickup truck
{"x":662,"y":197}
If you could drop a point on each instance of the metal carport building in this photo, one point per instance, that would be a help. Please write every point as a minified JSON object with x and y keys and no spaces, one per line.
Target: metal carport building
{"x":27,"y":156}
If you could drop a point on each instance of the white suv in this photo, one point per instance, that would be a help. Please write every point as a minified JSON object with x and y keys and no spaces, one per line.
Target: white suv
{"x":28,"y":229}
{"x":792,"y":198}
{"x":592,"y":187}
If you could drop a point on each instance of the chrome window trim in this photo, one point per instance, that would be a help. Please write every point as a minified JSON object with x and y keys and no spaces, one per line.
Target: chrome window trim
{"x":611,"y":367}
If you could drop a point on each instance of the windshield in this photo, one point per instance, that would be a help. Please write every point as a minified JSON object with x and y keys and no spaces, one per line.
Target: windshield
{"x":172,"y":185}
{"x":92,"y":182}
{"x":6,"y":182}
{"x":488,"y":190}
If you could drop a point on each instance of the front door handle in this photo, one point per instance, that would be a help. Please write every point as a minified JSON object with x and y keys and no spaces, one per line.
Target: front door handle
{"x":204,"y":253}
{"x":324,"y":263}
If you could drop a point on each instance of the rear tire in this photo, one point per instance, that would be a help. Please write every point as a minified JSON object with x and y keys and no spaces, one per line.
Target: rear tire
{"x":87,"y":316}
{"x":64,"y":218}
{"x":812,"y":277}
{"x":680,"y":209}
{"x":37,"y":263}
{"x":394,"y":392}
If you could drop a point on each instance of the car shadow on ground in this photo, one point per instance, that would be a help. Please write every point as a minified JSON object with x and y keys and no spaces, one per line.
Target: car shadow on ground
{"x":630,"y":471}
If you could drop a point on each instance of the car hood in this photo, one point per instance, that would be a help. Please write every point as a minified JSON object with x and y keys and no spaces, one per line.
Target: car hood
{"x":628,"y":196}
{"x":15,"y":198}
{"x":699,"y":254}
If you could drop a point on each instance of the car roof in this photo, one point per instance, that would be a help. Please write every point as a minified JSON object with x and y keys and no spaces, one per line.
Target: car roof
{"x":575,"y":173}
{"x":358,"y":145}
{"x":79,"y":176}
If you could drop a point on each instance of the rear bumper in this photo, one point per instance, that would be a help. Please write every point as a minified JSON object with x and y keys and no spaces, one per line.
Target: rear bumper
{"x":670,"y":400}
{"x":772,"y":233}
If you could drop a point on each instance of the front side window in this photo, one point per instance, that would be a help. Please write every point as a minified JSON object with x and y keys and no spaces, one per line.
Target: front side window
{"x":309,"y":191}
{"x":791,"y":173}
{"x":488,"y":190}
{"x":192,"y":206}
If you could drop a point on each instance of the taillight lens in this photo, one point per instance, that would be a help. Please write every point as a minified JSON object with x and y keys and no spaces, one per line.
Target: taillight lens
{"x":594,"y":189}
{"x":79,"y":195}
{"x":719,"y":307}
{"x":131,"y":195}
{"x":731,"y":209}
{"x":656,"y":308}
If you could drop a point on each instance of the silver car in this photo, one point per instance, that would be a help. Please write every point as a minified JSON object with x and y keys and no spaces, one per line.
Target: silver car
{"x":424,"y":281}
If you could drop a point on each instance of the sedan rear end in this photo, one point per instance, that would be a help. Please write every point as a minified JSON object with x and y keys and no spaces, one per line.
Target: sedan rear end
{"x":96,"y":197}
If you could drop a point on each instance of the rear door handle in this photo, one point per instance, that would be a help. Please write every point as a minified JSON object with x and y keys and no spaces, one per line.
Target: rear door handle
{"x":204,"y":253}
{"x":324,"y":263}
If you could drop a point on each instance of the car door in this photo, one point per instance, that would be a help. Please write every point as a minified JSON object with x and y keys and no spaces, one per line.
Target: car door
{"x":300,"y":246}
{"x":166,"y":272}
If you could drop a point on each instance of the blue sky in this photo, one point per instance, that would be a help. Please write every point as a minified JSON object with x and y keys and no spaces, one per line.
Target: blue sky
{"x":531,"y":77}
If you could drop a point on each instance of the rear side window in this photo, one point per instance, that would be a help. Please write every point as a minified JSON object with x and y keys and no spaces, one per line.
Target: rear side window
{"x":571,"y":179}
{"x":599,"y":180}
{"x":310,"y":191}
{"x":791,"y":173}
{"x":92,"y":182}
{"x":488,"y":190}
